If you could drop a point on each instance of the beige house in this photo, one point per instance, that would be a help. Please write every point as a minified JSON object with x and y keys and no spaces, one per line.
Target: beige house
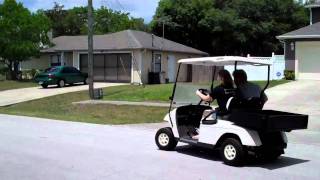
{"x":126,"y":56}
{"x":302,"y":47}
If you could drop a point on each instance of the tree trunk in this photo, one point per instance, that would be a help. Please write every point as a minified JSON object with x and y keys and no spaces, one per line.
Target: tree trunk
{"x":16,"y":70}
{"x":13,"y":70}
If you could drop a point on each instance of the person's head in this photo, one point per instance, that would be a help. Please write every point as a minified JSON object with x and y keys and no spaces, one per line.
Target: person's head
{"x":225,"y":78}
{"x":240,"y":77}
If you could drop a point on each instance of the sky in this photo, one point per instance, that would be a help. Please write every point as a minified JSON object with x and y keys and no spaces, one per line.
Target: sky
{"x":137,"y":8}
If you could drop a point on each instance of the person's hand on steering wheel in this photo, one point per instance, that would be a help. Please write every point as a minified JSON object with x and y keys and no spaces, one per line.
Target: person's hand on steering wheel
{"x":204,"y":95}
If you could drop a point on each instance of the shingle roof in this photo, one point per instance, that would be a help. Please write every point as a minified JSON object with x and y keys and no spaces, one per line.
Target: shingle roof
{"x":315,"y":4}
{"x":308,"y":32}
{"x":123,"y":40}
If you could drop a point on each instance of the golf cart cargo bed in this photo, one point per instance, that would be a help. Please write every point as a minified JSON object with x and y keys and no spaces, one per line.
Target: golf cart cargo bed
{"x":269,"y":120}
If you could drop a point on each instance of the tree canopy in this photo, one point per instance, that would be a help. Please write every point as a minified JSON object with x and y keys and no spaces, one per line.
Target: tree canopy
{"x":22,"y":33}
{"x":229,"y":27}
{"x":74,"y":21}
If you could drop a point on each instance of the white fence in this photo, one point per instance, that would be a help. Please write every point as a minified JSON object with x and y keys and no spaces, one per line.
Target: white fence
{"x":259,"y":73}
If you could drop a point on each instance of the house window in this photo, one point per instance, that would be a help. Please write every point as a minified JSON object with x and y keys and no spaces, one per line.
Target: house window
{"x":157,"y":63}
{"x":55,"y":60}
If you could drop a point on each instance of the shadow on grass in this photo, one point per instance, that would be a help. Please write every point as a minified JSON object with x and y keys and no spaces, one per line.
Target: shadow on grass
{"x":213,"y":155}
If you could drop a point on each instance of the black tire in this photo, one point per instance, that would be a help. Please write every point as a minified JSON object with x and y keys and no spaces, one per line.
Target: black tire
{"x":44,"y":86}
{"x":232,"y":152}
{"x":165,"y":139}
{"x":61,"y":83}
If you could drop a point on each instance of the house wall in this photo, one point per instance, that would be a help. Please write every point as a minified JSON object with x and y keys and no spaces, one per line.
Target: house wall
{"x":42,"y":62}
{"x":289,"y":55}
{"x":146,"y":64}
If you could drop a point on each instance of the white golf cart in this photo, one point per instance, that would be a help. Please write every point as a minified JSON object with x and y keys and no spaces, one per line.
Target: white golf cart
{"x":246,"y":129}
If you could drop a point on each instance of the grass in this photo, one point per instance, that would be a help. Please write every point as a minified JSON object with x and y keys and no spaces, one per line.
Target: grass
{"x":160,"y":93}
{"x":7,"y":85}
{"x":61,"y":107}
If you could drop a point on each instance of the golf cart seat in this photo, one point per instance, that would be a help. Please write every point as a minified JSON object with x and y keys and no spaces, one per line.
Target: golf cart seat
{"x":253,"y":103}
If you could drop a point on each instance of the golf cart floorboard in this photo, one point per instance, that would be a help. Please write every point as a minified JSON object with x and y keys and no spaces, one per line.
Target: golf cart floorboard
{"x":269,"y":120}
{"x":188,"y":140}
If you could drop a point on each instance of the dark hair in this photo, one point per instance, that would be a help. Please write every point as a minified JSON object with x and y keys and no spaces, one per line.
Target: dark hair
{"x":240,"y":76}
{"x":226,"y":78}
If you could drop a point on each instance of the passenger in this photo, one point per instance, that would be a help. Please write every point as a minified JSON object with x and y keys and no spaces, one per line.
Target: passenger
{"x":221,"y":92}
{"x":247,"y":90}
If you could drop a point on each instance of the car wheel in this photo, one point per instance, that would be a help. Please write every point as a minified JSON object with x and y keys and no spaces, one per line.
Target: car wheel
{"x":44,"y":85}
{"x":61,"y":83}
{"x":86,"y":81}
{"x":165,"y":139}
{"x":232,"y":152}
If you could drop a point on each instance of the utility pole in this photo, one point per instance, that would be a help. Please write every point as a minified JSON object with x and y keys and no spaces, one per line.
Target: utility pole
{"x":90,"y":48}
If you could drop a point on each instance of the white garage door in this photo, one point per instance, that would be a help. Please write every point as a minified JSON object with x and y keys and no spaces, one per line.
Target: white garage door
{"x":308,"y":55}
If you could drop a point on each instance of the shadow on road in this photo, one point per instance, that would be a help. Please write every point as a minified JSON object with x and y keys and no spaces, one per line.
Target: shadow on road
{"x":282,"y":162}
{"x":66,"y":86}
{"x":214,"y":155}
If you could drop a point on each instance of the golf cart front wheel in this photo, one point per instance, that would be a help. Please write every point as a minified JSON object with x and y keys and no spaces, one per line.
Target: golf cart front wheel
{"x":232,"y":152}
{"x":165,"y":139}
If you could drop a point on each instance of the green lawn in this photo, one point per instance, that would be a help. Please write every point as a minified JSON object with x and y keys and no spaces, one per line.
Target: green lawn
{"x":159,"y":93}
{"x":7,"y":85}
{"x":61,"y":107}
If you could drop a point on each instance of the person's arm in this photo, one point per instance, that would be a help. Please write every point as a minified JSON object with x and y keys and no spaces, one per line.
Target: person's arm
{"x":207,"y":98}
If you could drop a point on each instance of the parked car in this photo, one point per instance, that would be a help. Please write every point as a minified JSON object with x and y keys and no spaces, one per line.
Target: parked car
{"x":61,"y":75}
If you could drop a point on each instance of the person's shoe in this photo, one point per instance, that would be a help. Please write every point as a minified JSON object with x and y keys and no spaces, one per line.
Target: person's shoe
{"x":195,"y":137}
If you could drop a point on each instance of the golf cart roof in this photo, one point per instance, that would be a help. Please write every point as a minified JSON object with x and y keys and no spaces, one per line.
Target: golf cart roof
{"x":223,"y":60}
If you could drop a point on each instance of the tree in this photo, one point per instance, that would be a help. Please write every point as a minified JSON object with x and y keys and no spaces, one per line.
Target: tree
{"x":22,"y":34}
{"x":230,"y":27}
{"x":74,"y":21}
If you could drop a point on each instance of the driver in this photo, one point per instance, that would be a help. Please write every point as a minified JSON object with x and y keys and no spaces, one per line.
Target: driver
{"x":221,"y":93}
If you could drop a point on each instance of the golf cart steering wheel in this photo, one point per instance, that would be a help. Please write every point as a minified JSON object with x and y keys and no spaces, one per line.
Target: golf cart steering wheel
{"x":204,"y":92}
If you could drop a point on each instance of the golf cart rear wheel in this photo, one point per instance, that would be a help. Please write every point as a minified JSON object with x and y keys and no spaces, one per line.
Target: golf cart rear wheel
{"x":165,"y":139}
{"x":232,"y":152}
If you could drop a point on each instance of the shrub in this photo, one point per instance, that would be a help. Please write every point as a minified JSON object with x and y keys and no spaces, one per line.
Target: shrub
{"x":289,"y":75}
{"x":29,"y":74}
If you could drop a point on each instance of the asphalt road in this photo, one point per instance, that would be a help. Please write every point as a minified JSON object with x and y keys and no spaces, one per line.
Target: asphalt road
{"x":37,"y":149}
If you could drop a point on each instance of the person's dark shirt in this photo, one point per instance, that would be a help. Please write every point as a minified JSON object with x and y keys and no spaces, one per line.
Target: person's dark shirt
{"x":250,"y":90}
{"x":222,"y":95}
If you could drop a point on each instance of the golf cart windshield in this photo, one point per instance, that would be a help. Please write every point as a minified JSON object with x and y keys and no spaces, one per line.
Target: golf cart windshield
{"x":200,"y":73}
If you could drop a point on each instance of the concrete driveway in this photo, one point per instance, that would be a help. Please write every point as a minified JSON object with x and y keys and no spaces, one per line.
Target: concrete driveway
{"x":14,"y":96}
{"x":34,"y":148}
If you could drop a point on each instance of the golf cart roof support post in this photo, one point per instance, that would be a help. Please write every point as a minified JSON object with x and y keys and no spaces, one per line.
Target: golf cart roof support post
{"x":268,"y":82}
{"x":173,"y":91}
{"x":235,"y":65}
{"x":213,"y":76}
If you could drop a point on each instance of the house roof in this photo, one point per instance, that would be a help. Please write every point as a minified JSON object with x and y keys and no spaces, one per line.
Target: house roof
{"x":313,"y":5}
{"x":123,"y":40}
{"x":308,"y":32}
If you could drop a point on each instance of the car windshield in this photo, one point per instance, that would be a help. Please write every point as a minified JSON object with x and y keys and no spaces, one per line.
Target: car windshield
{"x":50,"y":70}
{"x":190,"y":79}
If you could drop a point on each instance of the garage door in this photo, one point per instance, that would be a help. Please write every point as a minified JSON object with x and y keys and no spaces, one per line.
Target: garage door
{"x":308,"y":55}
{"x":109,"y":67}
